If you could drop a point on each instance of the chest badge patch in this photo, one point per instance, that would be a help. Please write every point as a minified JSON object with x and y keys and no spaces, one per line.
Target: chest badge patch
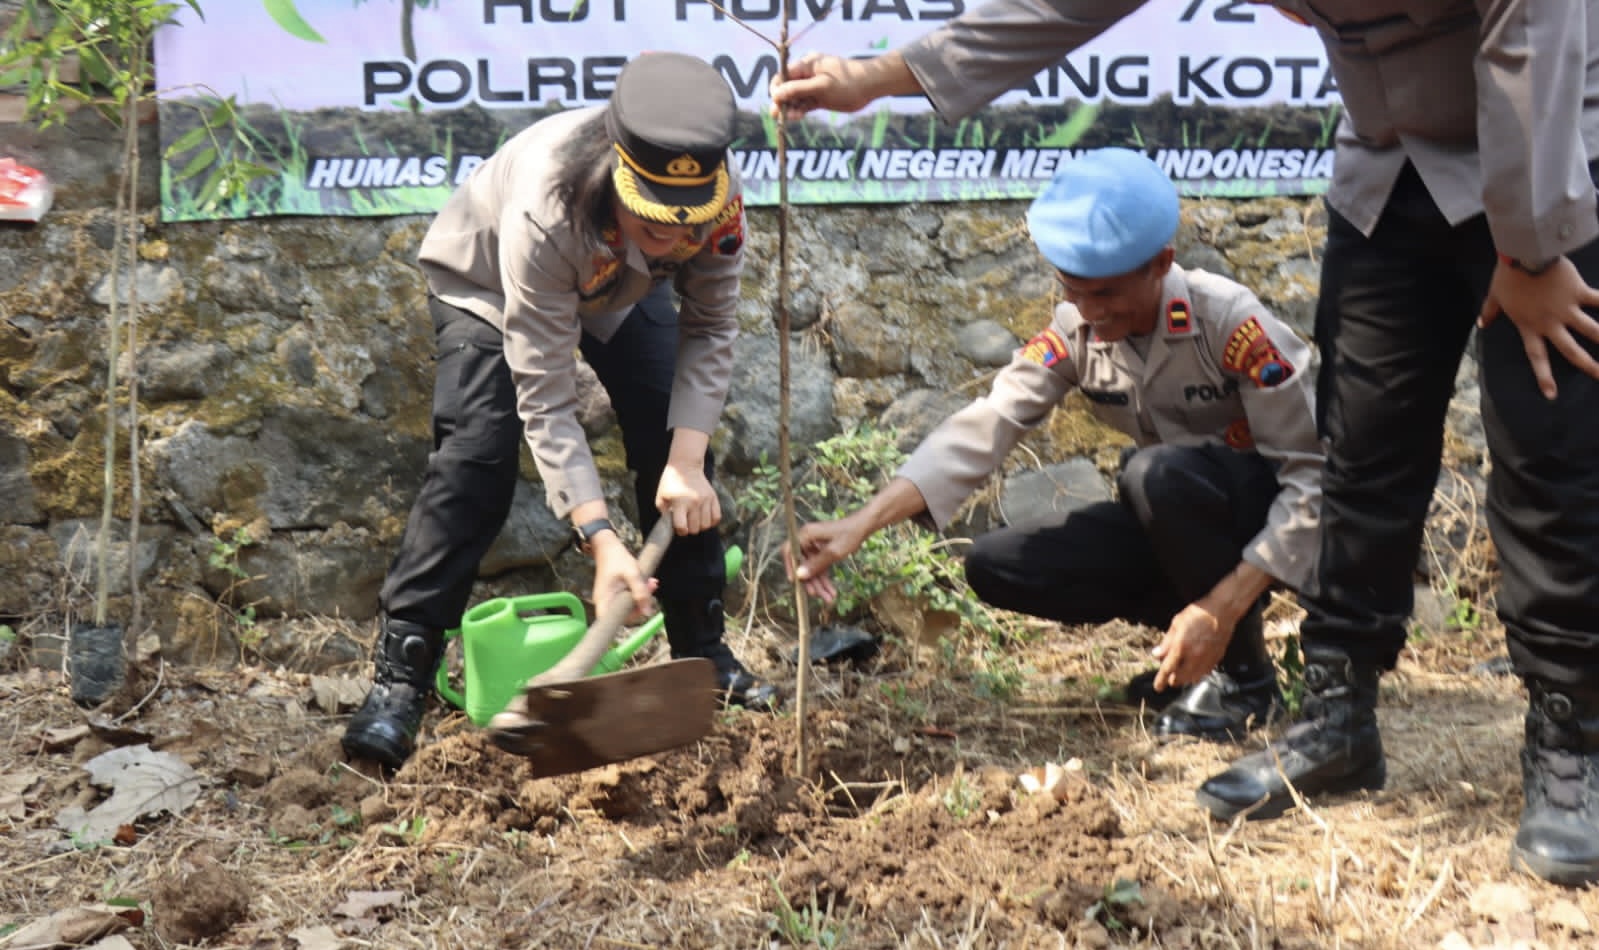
{"x":1250,"y":351}
{"x":1238,"y":435}
{"x":1045,"y":349}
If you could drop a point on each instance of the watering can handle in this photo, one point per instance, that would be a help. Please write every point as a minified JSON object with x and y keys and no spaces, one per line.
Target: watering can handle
{"x":583,"y":657}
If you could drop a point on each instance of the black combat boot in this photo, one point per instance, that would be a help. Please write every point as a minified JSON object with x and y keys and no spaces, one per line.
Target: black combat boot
{"x":1335,"y":746}
{"x":1559,"y":835}
{"x":1240,"y":694}
{"x":695,"y":628}
{"x":384,"y":728}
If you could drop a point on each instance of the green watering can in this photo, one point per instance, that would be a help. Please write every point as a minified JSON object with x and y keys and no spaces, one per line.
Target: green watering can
{"x":509,"y":640}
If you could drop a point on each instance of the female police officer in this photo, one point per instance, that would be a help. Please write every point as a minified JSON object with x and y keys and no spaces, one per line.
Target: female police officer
{"x":571,"y":238}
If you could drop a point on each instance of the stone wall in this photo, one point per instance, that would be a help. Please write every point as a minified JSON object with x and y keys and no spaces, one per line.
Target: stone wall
{"x":284,"y":372}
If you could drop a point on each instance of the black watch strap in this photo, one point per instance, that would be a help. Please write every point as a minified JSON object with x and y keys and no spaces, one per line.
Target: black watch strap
{"x":586,"y":531}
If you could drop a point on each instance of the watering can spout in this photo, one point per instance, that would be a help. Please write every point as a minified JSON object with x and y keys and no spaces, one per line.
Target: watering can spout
{"x":617,"y":656}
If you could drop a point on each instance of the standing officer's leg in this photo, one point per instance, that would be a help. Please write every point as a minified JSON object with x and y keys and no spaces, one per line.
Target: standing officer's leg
{"x":465,"y":496}
{"x":636,"y":366}
{"x":1392,"y":323}
{"x":1543,"y":511}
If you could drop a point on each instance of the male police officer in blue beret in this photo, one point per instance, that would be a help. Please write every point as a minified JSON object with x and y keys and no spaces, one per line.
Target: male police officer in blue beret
{"x":1466,"y":190}
{"x":1221,"y":497}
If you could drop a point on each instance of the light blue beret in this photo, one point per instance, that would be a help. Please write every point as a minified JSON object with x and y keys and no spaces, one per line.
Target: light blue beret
{"x":1104,"y":214}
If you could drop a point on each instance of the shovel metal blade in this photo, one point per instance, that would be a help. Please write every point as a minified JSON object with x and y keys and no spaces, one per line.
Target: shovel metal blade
{"x":583,"y":724}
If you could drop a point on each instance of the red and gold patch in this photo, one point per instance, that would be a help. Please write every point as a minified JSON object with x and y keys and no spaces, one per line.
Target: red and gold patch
{"x":1250,"y":351}
{"x":727,"y":231}
{"x":1046,"y":349}
{"x":1177,"y":318}
{"x":605,"y":267}
{"x":1238,"y":435}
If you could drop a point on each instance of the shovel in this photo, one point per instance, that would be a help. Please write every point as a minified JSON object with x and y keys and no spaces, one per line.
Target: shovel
{"x":567,"y":721}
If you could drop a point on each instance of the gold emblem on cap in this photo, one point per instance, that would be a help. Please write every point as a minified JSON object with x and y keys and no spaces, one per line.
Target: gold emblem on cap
{"x":683,"y":166}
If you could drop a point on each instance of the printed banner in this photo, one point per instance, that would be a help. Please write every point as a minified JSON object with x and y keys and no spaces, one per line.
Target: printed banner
{"x":376,"y":107}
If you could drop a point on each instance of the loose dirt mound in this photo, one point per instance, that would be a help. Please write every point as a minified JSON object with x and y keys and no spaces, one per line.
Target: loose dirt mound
{"x":910,"y":830}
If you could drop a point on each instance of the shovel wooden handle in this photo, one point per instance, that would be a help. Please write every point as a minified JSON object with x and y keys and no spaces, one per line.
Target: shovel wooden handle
{"x":583,"y":658}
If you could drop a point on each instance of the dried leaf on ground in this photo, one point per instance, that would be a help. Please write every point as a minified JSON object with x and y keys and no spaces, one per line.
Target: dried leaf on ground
{"x":72,"y":927}
{"x":143,"y":782}
{"x":336,"y":694}
{"x":13,"y":793}
{"x":316,"y":938}
{"x":363,"y":903}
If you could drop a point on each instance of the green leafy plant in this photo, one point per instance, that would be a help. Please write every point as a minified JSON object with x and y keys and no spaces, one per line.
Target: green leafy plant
{"x":841,"y":473}
{"x":809,"y":925}
{"x":1112,"y":910}
{"x":961,"y":799}
{"x":1291,"y":662}
{"x":1463,"y":614}
{"x":408,"y":830}
{"x":999,"y":676}
{"x":224,"y":557}
{"x":901,"y":699}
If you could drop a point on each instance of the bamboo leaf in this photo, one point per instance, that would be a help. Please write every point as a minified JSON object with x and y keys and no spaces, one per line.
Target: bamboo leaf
{"x":1069,"y":132}
{"x":202,"y":159}
{"x":284,"y":12}
{"x":186,"y":141}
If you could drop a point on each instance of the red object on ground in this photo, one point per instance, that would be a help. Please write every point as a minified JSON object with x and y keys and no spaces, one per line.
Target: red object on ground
{"x":25,"y":193}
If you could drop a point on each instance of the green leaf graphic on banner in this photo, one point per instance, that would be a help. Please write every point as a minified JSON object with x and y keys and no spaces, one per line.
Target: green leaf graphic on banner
{"x":1067,"y":133}
{"x":289,"y":18}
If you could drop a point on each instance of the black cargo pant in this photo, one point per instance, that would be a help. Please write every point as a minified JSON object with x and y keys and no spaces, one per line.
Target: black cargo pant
{"x":1180,"y":523}
{"x":1396,"y":313}
{"x":477,"y":437}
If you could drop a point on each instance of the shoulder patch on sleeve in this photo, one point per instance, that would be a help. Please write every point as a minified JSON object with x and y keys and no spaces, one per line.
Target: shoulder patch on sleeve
{"x":1177,"y":319}
{"x":727,"y":231}
{"x":605,"y":266}
{"x":1249,"y":351}
{"x":1045,"y":349}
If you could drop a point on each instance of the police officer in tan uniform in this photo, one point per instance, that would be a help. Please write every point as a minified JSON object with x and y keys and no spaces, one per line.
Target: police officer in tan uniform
{"x":571,"y":238}
{"x":1217,"y":503}
{"x":1463,"y":193}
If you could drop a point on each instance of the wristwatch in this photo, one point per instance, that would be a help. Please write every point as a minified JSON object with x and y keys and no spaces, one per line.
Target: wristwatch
{"x":585,"y":532}
{"x":1533,"y":268}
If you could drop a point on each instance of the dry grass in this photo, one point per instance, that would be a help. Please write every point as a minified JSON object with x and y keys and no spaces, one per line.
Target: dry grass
{"x":913,"y":833}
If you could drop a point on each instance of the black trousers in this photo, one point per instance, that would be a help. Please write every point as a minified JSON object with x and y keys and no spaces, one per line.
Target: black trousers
{"x":1395,"y":315}
{"x":471,"y":475}
{"x":1182,"y":518}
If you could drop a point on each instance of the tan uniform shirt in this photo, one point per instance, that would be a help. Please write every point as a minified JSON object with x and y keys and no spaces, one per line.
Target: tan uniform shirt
{"x":1220,"y":369}
{"x":1495,"y":102}
{"x":503,"y":249}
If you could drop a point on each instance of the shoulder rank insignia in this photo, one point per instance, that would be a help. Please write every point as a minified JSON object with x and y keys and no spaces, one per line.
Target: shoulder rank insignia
{"x":1177,"y":319}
